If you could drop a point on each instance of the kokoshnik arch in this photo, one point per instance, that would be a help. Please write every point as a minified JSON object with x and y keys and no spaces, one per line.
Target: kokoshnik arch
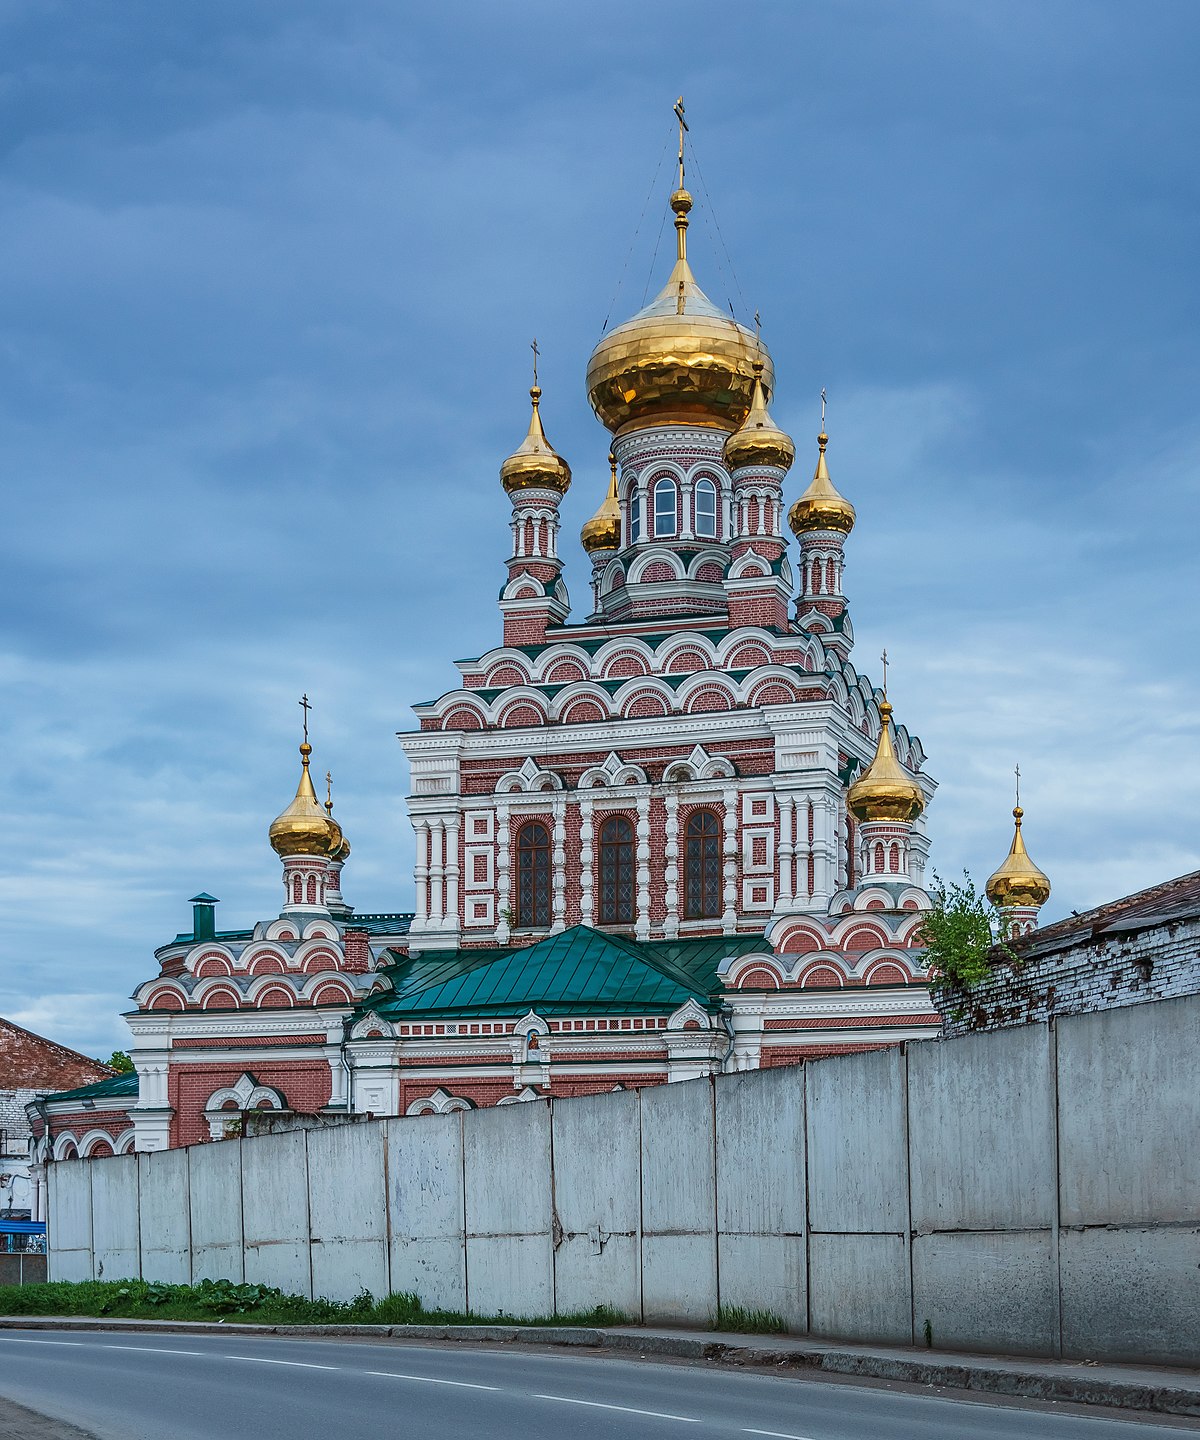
{"x":679,"y":836}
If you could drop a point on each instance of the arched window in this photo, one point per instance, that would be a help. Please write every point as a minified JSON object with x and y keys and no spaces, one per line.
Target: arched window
{"x":312,"y":889}
{"x":635,"y":514}
{"x":533,"y":875}
{"x":702,"y":866}
{"x":665,"y":507}
{"x":617,"y":871}
{"x":705,"y":502}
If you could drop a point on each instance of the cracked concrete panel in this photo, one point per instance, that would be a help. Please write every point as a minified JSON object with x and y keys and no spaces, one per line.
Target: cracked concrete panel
{"x":425,"y":1209}
{"x":679,"y":1249}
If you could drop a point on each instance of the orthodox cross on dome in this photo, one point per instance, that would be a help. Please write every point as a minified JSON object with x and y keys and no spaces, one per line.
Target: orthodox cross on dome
{"x":536,"y":353}
{"x":329,"y":791}
{"x":683,"y":125}
{"x":1017,"y":773}
{"x":883,"y":657}
{"x":823,"y":416}
{"x":306,"y":706}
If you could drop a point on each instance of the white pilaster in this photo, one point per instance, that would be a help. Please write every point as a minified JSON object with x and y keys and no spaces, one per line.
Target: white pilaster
{"x":671,"y":866}
{"x":643,"y":867}
{"x":729,"y":914}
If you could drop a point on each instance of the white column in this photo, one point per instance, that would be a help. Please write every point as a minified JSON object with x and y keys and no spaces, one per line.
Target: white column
{"x":437,"y":873}
{"x":671,"y":862}
{"x":421,"y":873}
{"x":453,"y":871}
{"x":787,"y":850}
{"x":587,"y":878}
{"x":729,"y":915}
{"x":503,"y":889}
{"x":558,"y":865}
{"x":686,"y":529}
{"x":643,"y":867}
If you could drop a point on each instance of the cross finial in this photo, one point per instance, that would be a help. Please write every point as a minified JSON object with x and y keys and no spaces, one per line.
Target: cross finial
{"x":683,"y":125}
{"x":306,"y":706}
{"x":822,"y":409}
{"x":536,"y":353}
{"x":329,"y":791}
{"x":883,"y":657}
{"x":1017,"y":773}
{"x":758,"y":327}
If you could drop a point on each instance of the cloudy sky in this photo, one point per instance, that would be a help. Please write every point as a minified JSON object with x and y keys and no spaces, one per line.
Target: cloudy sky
{"x":268,"y":278}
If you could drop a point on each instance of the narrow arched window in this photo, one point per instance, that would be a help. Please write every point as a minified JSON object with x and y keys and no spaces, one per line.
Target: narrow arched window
{"x":635,"y":514}
{"x":665,"y":507}
{"x":533,"y":875}
{"x":705,"y":503}
{"x":702,"y":866}
{"x":312,"y":889}
{"x":617,"y":872}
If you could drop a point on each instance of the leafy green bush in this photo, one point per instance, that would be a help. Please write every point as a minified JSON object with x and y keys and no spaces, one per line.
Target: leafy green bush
{"x":960,"y":934}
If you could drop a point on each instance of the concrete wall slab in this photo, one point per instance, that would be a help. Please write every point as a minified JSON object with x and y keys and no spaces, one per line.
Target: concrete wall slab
{"x":981,"y":1132}
{"x":1127,"y":1088}
{"x":598,"y":1202}
{"x":275,"y":1211}
{"x":764,"y":1272}
{"x":679,"y":1249}
{"x":215,"y":1186}
{"x":761,"y":1152}
{"x":987,"y":1291}
{"x":115,"y":1218}
{"x":69,"y":1233}
{"x":348,"y":1211}
{"x":858,"y":1287}
{"x":166,"y":1229}
{"x":1131,"y":1294}
{"x":857,"y":1157}
{"x":425,"y":1209}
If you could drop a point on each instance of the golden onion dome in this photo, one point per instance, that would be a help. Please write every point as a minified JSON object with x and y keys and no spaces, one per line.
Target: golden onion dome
{"x":759,"y":441}
{"x":885,"y":791}
{"x":304,"y":828}
{"x":1018,"y":882}
{"x":603,"y":530}
{"x":680,"y":359}
{"x":535,"y":464}
{"x":821,"y":507}
{"x":341,"y":850}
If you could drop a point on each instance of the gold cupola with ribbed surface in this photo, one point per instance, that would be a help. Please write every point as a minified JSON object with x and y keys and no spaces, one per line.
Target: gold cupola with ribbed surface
{"x":759,"y":441}
{"x":821,"y":507}
{"x":603,"y":530}
{"x":535,"y":464}
{"x":885,"y":790}
{"x":682,"y":359}
{"x":1018,"y":883}
{"x":304,"y":828}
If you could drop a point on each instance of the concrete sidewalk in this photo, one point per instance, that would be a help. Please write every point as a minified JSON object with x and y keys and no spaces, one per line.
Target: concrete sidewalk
{"x":1161,"y":1391}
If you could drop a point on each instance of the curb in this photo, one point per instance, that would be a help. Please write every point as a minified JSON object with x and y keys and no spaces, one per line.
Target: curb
{"x":981,"y":1374}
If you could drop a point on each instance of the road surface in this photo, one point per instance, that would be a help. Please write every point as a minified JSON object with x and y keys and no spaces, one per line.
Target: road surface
{"x":193,"y":1387}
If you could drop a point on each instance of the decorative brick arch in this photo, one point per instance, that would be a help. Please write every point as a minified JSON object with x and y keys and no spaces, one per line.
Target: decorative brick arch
{"x":645,"y":704}
{"x":213,"y":965}
{"x":580,"y":712}
{"x":711,"y":697}
{"x":320,"y":960}
{"x":221,"y":998}
{"x":863,"y":937}
{"x":506,"y":674}
{"x":687,"y":662}
{"x":772,"y":692}
{"x":164,"y":1000}
{"x":658,"y":571}
{"x":710,"y":573}
{"x":331,"y":993}
{"x":888,"y":973}
{"x":266,"y":965}
{"x":748,"y":657}
{"x":520,"y":714}
{"x":565,"y":672}
{"x":799,"y":942}
{"x":463,"y":717}
{"x":275,"y":997}
{"x":822,"y":977}
{"x":624,"y":665}
{"x":758,"y":977}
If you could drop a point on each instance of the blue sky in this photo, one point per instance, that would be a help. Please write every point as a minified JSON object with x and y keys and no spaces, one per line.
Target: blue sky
{"x":268,"y":277}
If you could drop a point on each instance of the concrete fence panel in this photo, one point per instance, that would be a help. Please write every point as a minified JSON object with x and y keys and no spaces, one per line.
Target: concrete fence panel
{"x":275,"y":1211}
{"x":218,"y":1248}
{"x":348,"y":1211}
{"x":509,"y":1210}
{"x":425,"y":1209}
{"x":679,"y":1239}
{"x":116,"y":1219}
{"x":597,"y":1193}
{"x":761,"y":1225}
{"x":70,"y":1231}
{"x":858,"y":1253}
{"x":166,"y":1231}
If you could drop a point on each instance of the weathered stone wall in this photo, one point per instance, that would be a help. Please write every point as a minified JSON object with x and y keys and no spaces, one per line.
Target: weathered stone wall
{"x":1110,"y":971}
{"x":1032,"y":1191}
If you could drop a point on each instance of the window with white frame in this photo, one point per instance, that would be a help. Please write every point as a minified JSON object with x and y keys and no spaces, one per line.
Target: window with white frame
{"x":705,"y":503}
{"x":666,"y":506}
{"x":635,"y":514}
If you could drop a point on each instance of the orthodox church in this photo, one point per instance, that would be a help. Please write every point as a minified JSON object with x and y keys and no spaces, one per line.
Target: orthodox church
{"x":679,"y":835}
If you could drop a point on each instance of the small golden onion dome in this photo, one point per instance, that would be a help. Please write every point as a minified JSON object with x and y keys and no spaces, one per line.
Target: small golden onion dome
{"x":759,"y":441}
{"x":680,"y":359}
{"x":341,"y":850}
{"x":535,"y":464}
{"x":1018,"y":882}
{"x":304,"y":828}
{"x":603,"y":530}
{"x":885,"y":791}
{"x":821,"y":507}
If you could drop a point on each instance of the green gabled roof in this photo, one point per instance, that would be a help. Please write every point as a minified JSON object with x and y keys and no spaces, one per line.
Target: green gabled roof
{"x":580,"y":971}
{"x":115,"y":1085}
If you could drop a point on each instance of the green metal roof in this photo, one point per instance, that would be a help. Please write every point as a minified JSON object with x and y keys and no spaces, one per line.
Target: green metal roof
{"x":579,"y":971}
{"x":115,"y":1085}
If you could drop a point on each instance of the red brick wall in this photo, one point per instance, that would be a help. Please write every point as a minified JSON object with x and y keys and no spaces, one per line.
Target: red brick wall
{"x":306,"y":1084}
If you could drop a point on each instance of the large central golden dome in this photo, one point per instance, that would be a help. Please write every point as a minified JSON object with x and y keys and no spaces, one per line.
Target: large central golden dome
{"x":680,"y":359}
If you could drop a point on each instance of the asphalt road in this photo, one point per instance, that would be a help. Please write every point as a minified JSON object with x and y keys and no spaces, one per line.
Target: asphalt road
{"x":184,"y":1387}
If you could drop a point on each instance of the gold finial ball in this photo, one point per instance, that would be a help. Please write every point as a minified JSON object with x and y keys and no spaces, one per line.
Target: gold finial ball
{"x":681,"y":201}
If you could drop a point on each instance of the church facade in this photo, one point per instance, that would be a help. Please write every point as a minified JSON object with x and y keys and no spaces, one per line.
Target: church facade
{"x":678,"y":835}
